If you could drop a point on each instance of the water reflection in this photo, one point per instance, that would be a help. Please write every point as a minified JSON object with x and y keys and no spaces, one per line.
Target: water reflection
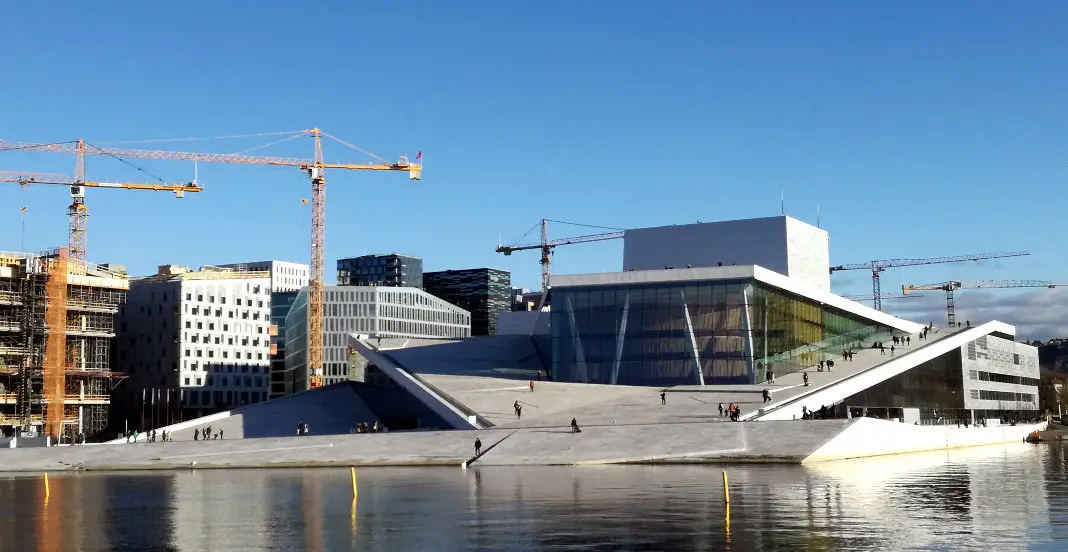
{"x":992,"y":498}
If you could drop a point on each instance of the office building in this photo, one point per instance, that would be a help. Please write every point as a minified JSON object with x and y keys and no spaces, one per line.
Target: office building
{"x":389,"y":270}
{"x":484,"y":292}
{"x":281,"y":380}
{"x":194,"y":342}
{"x":88,"y":301}
{"x":372,"y":310}
{"x":285,"y":276}
{"x":286,"y":280}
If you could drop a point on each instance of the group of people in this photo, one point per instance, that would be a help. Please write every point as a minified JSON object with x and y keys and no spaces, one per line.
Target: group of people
{"x":203,"y":434}
{"x":364,"y":427}
{"x":824,"y":413}
{"x":733,"y":411}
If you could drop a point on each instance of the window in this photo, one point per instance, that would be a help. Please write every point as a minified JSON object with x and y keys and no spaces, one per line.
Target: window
{"x":187,"y":352}
{"x":186,"y":381}
{"x":188,"y":324}
{"x":211,"y":298}
{"x":1016,"y":359}
{"x":200,"y":325}
{"x":211,"y":325}
{"x":200,"y":381}
{"x":200,"y":297}
{"x":189,"y":297}
{"x":226,"y":354}
{"x":200,"y":353}
{"x":226,"y":327}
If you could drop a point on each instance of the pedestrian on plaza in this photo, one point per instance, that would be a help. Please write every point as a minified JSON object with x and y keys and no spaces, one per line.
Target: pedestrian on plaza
{"x":908,"y":340}
{"x":531,"y":386}
{"x":220,"y":434}
{"x":478,"y":446}
{"x":663,"y":398}
{"x":804,"y":376}
{"x":767,"y":396}
{"x":196,"y":434}
{"x":891,"y":350}
{"x":720,"y":409}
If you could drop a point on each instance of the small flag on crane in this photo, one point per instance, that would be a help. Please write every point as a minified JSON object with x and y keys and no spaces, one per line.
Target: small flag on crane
{"x":23,"y":210}
{"x":419,"y":155}
{"x":303,"y":201}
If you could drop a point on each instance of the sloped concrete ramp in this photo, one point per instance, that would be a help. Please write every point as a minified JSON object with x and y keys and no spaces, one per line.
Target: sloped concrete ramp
{"x":334,"y":409}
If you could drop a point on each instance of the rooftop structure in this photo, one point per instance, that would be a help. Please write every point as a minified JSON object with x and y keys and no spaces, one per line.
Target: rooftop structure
{"x":42,"y":365}
{"x":285,"y":276}
{"x":389,"y":270}
{"x":781,"y":244}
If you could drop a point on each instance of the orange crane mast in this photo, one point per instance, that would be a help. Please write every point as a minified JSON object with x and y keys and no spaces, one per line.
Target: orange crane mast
{"x":313,"y":167}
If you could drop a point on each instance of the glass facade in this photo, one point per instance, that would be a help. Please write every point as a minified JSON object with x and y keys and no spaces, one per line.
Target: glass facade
{"x":381,"y":270}
{"x":484,"y":292}
{"x":697,"y":332}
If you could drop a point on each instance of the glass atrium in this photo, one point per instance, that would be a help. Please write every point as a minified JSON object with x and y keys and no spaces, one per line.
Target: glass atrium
{"x":705,"y":332}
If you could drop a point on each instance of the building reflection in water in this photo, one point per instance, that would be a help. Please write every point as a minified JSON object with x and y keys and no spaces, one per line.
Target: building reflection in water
{"x":989,"y":498}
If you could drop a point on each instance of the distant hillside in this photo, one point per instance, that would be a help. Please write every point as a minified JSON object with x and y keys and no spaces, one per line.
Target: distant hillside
{"x":1053,"y":355}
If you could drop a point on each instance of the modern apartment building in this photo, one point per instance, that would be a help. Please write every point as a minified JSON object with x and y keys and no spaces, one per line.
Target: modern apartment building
{"x":390,"y":270}
{"x":373,"y":310}
{"x":194,"y":342}
{"x":484,"y":292}
{"x":285,"y":276}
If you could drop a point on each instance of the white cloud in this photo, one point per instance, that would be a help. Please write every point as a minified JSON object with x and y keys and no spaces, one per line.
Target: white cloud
{"x":1037,"y":314}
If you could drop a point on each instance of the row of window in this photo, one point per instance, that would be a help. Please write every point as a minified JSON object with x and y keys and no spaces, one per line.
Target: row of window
{"x":222,"y":299}
{"x":1001,"y":378}
{"x":224,"y":327}
{"x":245,"y":368}
{"x":225,"y":381}
{"x":1004,"y":396}
{"x":206,"y":311}
{"x":245,"y":341}
{"x":204,"y":398}
{"x":199,"y":353}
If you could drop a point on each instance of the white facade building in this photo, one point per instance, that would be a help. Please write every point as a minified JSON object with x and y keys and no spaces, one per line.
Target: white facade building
{"x":375,"y":311}
{"x":285,"y":276}
{"x":783,"y":244}
{"x":205,"y":333}
{"x":1000,"y":374}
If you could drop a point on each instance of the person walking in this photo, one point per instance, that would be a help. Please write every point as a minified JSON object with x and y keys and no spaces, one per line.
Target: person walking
{"x":478,"y":446}
{"x":767,"y":396}
{"x":804,"y":376}
{"x":531,"y":386}
{"x":663,"y":398}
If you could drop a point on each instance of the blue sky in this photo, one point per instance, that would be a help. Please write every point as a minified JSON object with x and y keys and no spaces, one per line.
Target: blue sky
{"x":919,"y":129}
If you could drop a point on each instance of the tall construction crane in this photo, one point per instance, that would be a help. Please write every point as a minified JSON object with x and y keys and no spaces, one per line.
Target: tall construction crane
{"x":546,"y":246}
{"x":878,"y":266}
{"x":313,"y":168}
{"x":953,"y":285}
{"x":78,"y":211}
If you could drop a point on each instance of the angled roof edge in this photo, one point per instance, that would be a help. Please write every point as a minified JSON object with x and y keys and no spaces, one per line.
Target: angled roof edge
{"x":805,"y":289}
{"x":850,"y":385}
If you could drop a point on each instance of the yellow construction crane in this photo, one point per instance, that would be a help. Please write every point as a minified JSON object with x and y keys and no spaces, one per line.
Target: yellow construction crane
{"x":953,"y":285}
{"x":78,"y":211}
{"x":313,"y":168}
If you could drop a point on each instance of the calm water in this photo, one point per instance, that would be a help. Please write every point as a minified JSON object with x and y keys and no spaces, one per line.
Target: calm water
{"x":995,"y":498}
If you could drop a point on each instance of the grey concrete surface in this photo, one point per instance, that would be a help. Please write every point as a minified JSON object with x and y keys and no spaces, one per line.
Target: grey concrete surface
{"x":506,"y":356}
{"x":787,"y":442}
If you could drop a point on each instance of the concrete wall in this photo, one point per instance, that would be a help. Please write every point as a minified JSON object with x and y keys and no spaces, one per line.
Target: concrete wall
{"x":782,"y":244}
{"x":808,"y":253}
{"x":872,"y":437}
{"x":736,"y":242}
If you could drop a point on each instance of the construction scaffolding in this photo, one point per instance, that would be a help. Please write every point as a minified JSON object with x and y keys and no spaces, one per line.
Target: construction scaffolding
{"x":57,"y":324}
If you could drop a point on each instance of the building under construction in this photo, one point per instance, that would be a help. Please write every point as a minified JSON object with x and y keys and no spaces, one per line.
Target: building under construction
{"x":57,"y":325}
